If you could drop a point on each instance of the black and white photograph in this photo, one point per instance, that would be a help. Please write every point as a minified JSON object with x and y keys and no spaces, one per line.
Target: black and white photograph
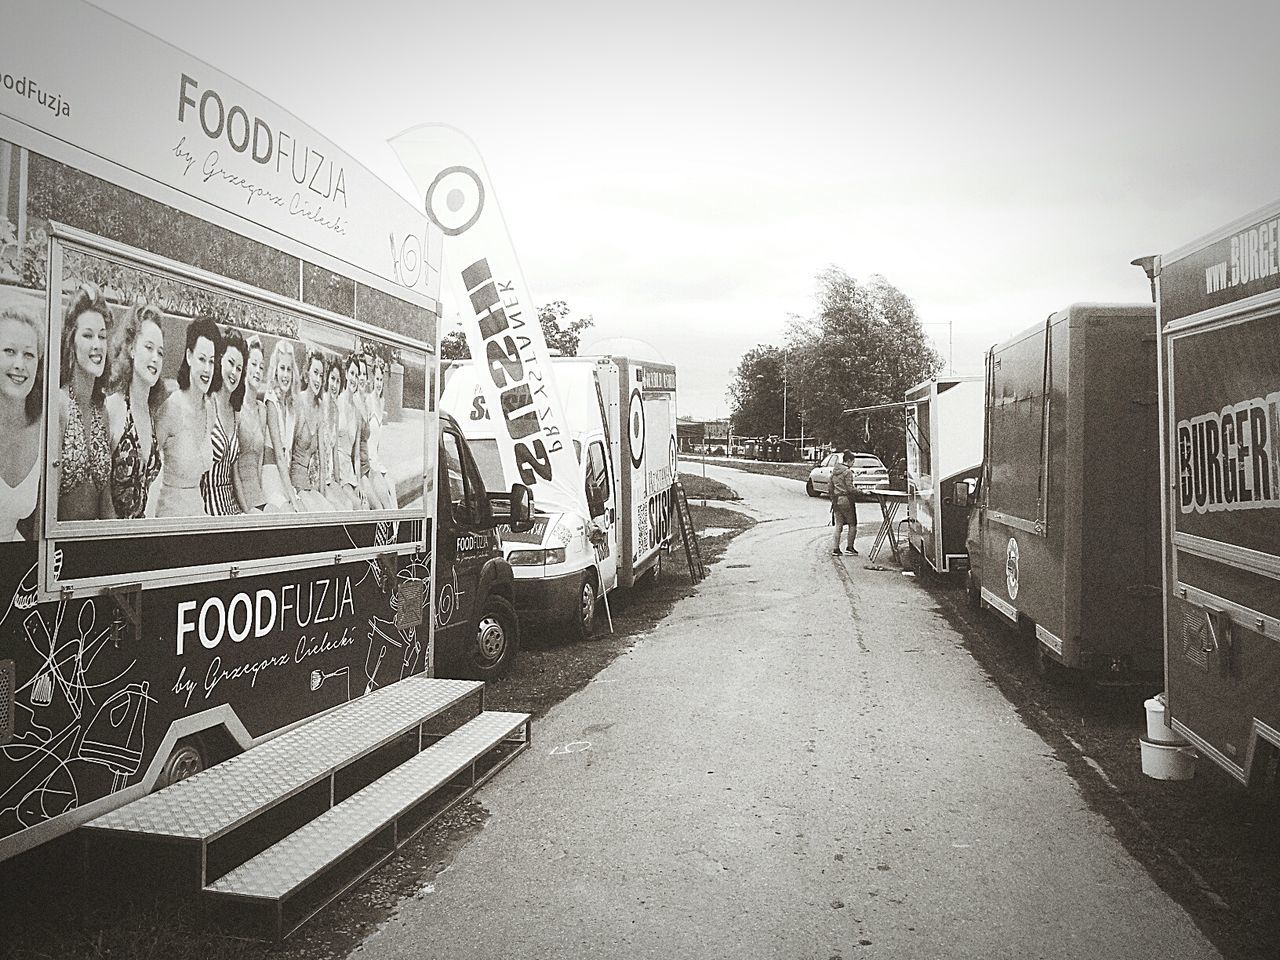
{"x":563,"y":481}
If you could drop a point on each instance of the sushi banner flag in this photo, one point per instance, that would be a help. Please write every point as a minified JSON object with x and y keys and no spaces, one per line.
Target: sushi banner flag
{"x":483,"y":281}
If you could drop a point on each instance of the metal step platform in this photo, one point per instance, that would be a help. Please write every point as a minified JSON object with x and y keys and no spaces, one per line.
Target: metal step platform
{"x":310,"y":768}
{"x":290,"y":882}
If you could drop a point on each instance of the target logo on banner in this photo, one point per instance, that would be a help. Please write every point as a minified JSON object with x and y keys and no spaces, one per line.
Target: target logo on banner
{"x":455,"y":200}
{"x":635,"y":426}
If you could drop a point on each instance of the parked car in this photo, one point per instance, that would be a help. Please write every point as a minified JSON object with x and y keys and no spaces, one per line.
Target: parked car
{"x":869,"y":474}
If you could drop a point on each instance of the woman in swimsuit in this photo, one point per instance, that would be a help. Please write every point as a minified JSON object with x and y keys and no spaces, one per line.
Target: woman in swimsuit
{"x":338,"y":442}
{"x":377,"y":415}
{"x":85,"y":462}
{"x":280,"y":411}
{"x":247,"y":477}
{"x":21,"y":393}
{"x":137,"y":357}
{"x":226,"y":396}
{"x":304,"y":457}
{"x":358,"y":400}
{"x":184,"y":422}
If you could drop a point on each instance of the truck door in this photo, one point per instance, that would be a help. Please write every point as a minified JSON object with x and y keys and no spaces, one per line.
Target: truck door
{"x":602,"y":502}
{"x":464,"y":541}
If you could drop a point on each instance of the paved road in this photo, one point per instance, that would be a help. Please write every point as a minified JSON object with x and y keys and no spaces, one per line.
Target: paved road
{"x":801,"y":761}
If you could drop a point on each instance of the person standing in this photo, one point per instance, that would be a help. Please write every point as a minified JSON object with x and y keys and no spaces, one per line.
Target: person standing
{"x":843,"y":509}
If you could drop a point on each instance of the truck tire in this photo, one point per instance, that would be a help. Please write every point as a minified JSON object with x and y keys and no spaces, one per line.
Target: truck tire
{"x":187,"y":758}
{"x":496,"y":641}
{"x":582,"y":623}
{"x":1048,"y":670}
{"x":972,"y":590}
{"x":810,"y":489}
{"x":915,"y":562}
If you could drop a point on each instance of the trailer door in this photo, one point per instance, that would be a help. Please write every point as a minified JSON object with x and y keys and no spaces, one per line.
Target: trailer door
{"x":603,"y":506}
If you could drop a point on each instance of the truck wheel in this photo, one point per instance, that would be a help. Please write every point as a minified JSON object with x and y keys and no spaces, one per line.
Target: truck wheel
{"x":915,"y":560}
{"x":810,"y":489}
{"x":1047,"y":668}
{"x":973,"y":591}
{"x":186,"y":760}
{"x":582,"y":623}
{"x":649,"y":579}
{"x":497,"y":639}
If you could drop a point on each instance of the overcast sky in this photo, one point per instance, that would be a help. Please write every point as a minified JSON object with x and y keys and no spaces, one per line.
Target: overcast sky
{"x":681,"y":171}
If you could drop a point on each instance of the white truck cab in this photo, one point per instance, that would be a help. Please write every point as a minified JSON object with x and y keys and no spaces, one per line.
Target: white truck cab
{"x":622,"y":412}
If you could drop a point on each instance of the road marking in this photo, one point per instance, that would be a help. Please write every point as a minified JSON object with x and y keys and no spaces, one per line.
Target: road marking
{"x":573,"y":746}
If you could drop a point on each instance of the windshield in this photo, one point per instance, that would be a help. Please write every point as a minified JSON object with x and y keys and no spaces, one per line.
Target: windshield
{"x":867,"y":462}
{"x":486,"y":456}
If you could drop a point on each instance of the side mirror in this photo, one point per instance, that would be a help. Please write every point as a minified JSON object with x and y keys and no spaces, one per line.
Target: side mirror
{"x":595,"y":501}
{"x":521,"y":508}
{"x":960,"y":494}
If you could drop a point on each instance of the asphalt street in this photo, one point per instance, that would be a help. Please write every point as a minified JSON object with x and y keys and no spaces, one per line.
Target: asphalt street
{"x":800,"y":761}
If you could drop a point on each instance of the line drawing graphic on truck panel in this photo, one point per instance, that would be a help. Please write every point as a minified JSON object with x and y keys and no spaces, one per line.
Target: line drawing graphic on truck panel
{"x":70,"y":717}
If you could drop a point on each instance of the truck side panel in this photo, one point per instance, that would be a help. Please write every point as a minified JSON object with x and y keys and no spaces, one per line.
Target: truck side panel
{"x":1023,"y":530}
{"x":646,"y":439}
{"x":1119,"y":567}
{"x":1222,"y":421}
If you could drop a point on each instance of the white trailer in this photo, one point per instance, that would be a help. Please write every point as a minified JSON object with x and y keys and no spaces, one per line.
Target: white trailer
{"x":944,"y":427}
{"x":622,"y":415}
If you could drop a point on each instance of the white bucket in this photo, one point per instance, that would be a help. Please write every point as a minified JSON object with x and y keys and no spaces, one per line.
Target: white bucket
{"x":1157,"y":731}
{"x":1167,"y":761}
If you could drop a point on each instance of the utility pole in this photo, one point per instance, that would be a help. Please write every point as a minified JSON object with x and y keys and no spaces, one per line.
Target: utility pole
{"x":784,"y":393}
{"x":951,"y":366}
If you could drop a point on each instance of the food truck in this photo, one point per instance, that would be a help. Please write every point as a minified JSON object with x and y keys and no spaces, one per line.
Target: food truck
{"x":944,"y":429}
{"x":1065,"y":540}
{"x":622,"y":413}
{"x":1219,"y":349}
{"x":198,"y":274}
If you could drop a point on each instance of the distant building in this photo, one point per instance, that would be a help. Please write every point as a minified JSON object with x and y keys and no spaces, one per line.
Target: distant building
{"x":703,"y":436}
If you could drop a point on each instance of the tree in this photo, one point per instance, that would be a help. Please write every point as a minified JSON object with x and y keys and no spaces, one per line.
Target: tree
{"x":453,"y":346}
{"x":868,"y":348}
{"x":562,"y":338}
{"x":864,"y":345}
{"x":755,"y":395}
{"x":565,"y":339}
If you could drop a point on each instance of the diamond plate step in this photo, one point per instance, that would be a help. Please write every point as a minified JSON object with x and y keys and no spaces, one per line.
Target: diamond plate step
{"x":216,"y":801}
{"x":280,"y":870}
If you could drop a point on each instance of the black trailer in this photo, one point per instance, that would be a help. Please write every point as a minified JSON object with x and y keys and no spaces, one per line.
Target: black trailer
{"x":1219,"y":321}
{"x":150,"y":626}
{"x":1065,"y":539}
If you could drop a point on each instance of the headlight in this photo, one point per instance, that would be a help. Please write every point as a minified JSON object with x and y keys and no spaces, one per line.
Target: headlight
{"x":534,"y":558}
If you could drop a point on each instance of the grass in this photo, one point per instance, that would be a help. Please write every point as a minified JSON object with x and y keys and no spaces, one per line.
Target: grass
{"x":698,"y":487}
{"x":796,"y":471}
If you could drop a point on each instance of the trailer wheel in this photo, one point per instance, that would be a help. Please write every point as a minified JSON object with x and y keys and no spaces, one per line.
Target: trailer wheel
{"x":973,"y":591}
{"x":581,"y":623}
{"x":649,"y":579}
{"x":915,"y":560}
{"x":1047,"y":669}
{"x":496,"y":641}
{"x":185,"y":760}
{"x":810,"y":489}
